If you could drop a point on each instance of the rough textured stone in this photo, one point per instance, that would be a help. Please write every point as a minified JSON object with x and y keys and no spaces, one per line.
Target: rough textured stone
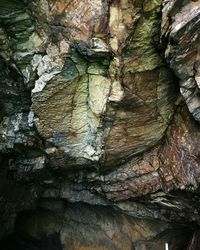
{"x":182,"y":30}
{"x":91,"y":113}
{"x":97,"y":228}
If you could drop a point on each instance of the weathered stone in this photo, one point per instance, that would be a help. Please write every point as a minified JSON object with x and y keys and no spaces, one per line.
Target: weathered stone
{"x":96,"y":228}
{"x":143,"y":114}
{"x":183,"y":49}
{"x":179,"y":156}
{"x":91,"y":113}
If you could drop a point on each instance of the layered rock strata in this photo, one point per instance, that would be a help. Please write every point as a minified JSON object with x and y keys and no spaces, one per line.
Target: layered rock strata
{"x":100,"y":105}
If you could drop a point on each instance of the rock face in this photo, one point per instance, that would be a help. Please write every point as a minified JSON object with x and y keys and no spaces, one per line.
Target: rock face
{"x":182,"y":30}
{"x":99,"y":124}
{"x":95,"y":228}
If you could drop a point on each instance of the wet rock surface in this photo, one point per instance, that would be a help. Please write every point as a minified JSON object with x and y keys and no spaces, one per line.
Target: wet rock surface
{"x":99,"y":124}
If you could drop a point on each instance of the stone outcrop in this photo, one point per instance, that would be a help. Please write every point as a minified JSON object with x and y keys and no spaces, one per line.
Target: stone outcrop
{"x":182,"y":32}
{"x":99,"y":124}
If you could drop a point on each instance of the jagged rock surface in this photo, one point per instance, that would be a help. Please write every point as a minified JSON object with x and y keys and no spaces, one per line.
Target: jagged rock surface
{"x":100,"y":105}
{"x":182,"y":32}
